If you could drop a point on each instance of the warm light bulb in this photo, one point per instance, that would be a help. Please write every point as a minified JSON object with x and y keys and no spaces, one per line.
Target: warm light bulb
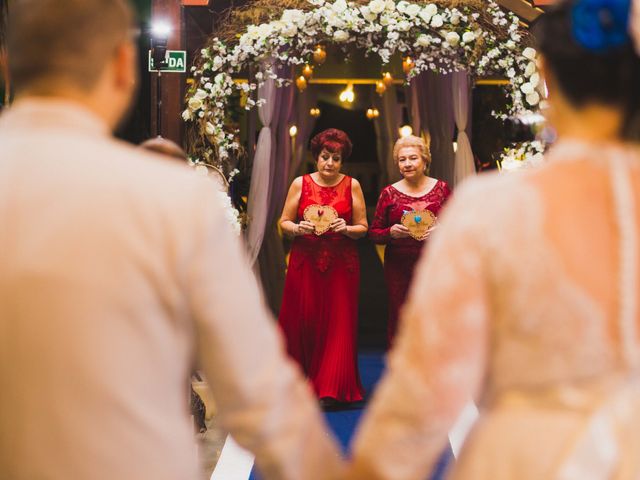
{"x":387,"y":79}
{"x":307,"y":72}
{"x":161,"y":29}
{"x":347,"y":95}
{"x":293,"y":131}
{"x":406,"y":130}
{"x":380,"y":87}
{"x":455,"y":147}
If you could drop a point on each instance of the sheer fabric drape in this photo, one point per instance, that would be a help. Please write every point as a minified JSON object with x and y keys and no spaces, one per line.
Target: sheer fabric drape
{"x":464,"y":164}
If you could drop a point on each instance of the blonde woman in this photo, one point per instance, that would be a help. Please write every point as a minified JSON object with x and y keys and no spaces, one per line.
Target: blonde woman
{"x":415,"y":192}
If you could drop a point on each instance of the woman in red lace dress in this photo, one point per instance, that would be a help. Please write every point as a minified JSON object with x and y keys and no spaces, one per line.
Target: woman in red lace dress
{"x":319,"y":310}
{"x":416,"y":191}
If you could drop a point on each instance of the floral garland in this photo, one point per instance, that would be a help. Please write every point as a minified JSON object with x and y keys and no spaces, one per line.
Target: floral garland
{"x":525,"y":155}
{"x":443,"y":39}
{"x":231,"y":213}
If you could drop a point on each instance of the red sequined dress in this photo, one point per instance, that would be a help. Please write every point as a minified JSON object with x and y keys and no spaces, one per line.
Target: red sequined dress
{"x":401,"y":254}
{"x":319,"y":312}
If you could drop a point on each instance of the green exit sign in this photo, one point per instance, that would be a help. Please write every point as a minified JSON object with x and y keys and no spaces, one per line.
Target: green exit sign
{"x":176,"y":61}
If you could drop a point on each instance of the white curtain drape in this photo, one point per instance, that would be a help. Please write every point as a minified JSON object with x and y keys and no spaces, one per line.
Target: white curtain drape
{"x":464,"y":165}
{"x":439,"y":99}
{"x":386,"y":127}
{"x":258,"y":207}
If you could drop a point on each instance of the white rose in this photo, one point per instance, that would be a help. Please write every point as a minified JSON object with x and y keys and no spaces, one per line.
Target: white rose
{"x":535,"y":79}
{"x":368,"y":14}
{"x":340,"y":36}
{"x":452,"y":39}
{"x":530,"y":70}
{"x":437,"y":21}
{"x":209,"y":128}
{"x":527,"y":88}
{"x":292,"y":16}
{"x":468,"y":37}
{"x":339,"y":6}
{"x":423,"y":40}
{"x":404,"y":26}
{"x":217,"y":63}
{"x":390,"y":5}
{"x":533,"y":98}
{"x":265,"y":29}
{"x":529,"y":53}
{"x":511,"y":73}
{"x":430,"y":9}
{"x":200,"y":94}
{"x":455,"y":18}
{"x":377,"y":6}
{"x":290,"y":30}
{"x":187,"y":115}
{"x":413,"y":10}
{"x":402,"y":6}
{"x":253,"y":33}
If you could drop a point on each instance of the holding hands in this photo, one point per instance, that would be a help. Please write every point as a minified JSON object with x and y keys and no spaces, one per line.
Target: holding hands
{"x":339,"y":225}
{"x":304,"y":228}
{"x":399,"y":231}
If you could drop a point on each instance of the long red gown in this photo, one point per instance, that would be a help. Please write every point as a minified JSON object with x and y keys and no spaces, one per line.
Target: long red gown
{"x":319,"y":312}
{"x":401,"y":254}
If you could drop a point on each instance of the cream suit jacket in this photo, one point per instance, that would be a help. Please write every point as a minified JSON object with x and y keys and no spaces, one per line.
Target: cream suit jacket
{"x":118,"y":274}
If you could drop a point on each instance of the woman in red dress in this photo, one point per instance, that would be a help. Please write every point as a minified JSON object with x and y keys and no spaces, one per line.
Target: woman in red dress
{"x":416,"y":191}
{"x":319,"y":310}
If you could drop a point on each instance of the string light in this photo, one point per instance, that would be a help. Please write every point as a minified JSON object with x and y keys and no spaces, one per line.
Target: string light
{"x":380,"y":87}
{"x":387,"y":79}
{"x":319,"y":54}
{"x":314,"y":112}
{"x":301,"y":83}
{"x":373,"y":113}
{"x":307,"y":71}
{"x":407,"y":65}
{"x":293,"y":131}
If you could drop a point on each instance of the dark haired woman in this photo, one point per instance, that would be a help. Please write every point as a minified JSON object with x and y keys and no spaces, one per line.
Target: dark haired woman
{"x":528,"y":296}
{"x":319,"y":310}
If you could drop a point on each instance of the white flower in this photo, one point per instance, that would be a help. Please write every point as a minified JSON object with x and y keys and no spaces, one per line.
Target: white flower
{"x":511,"y":45}
{"x":368,"y":14}
{"x":511,"y":73}
{"x":529,"y":53}
{"x":535,"y":79}
{"x":527,"y":88}
{"x":195,"y":104}
{"x":402,"y":6}
{"x":265,"y":29}
{"x":217,"y":63}
{"x":437,"y":21}
{"x":468,"y":37}
{"x":290,"y":30}
{"x":377,"y":6}
{"x":413,"y":10}
{"x":423,"y":40}
{"x":530,"y":70}
{"x":200,"y":94}
{"x":452,"y":39}
{"x":293,"y":16}
{"x":339,"y":6}
{"x":340,"y":36}
{"x":404,"y":26}
{"x":209,"y":128}
{"x":533,"y":98}
{"x":187,"y":115}
{"x":455,"y":18}
{"x":390,"y":5}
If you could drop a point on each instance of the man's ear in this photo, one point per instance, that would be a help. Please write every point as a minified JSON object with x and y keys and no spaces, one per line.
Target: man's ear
{"x":126,"y":66}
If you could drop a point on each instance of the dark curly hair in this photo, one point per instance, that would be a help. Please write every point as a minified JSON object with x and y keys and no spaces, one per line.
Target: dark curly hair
{"x":334,"y":141}
{"x":610,"y":76}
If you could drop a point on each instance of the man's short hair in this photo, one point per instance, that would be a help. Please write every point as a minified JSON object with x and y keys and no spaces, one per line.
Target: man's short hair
{"x":64,"y":41}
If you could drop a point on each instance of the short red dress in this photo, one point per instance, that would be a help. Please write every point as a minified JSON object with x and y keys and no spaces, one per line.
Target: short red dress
{"x":401,"y":254}
{"x":319,"y":312}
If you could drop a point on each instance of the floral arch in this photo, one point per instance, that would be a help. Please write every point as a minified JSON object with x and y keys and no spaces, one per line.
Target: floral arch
{"x":438,"y":35}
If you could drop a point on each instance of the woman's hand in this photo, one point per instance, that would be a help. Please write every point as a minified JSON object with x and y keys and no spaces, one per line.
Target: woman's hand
{"x":339,"y":225}
{"x":399,"y":231}
{"x":304,"y":228}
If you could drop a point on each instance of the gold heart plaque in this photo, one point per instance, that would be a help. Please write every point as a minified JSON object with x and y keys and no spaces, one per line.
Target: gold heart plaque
{"x":321,"y":216}
{"x":419,"y":222}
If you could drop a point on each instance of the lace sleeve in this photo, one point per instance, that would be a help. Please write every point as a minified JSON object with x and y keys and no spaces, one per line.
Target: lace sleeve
{"x":439,"y":360}
{"x":379,"y":231}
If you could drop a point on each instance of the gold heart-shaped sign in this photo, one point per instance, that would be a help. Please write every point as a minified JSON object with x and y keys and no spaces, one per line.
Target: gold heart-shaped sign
{"x":419,"y":222}
{"x":321,"y":216}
